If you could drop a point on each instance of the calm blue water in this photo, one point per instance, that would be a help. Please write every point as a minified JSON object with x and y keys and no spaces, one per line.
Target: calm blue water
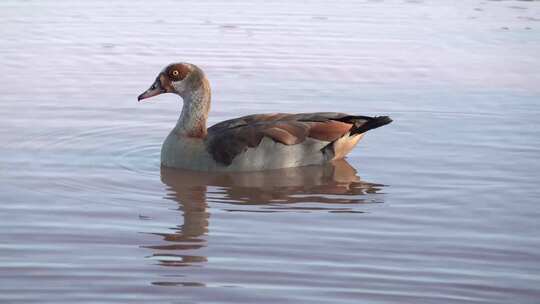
{"x":441,"y":206}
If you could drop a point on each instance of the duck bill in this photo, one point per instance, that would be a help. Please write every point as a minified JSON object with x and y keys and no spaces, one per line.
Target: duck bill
{"x":154,"y":90}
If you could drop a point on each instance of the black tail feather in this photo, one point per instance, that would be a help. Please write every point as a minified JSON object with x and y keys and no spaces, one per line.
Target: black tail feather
{"x":363,"y":124}
{"x":372,"y":123}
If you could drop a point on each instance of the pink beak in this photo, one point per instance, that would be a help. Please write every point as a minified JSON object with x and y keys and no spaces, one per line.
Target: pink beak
{"x":154,"y":90}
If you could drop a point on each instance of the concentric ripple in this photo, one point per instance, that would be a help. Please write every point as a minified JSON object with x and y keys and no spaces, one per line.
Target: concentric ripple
{"x":78,"y":161}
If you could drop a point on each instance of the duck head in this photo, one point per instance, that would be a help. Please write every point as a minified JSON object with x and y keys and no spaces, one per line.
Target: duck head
{"x":178,"y":78}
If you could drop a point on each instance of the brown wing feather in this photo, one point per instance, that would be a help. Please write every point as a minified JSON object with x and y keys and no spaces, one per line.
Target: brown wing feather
{"x":329,"y":130}
{"x":281,"y":136}
{"x":231,"y":137}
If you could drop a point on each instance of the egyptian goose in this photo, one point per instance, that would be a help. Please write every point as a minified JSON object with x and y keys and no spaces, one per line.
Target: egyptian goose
{"x":254,"y":142}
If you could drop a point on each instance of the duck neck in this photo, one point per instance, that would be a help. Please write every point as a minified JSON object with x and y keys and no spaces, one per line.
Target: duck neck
{"x":192,"y":120}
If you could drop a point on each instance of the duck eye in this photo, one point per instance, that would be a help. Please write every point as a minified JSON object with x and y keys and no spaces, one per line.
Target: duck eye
{"x":175,"y":73}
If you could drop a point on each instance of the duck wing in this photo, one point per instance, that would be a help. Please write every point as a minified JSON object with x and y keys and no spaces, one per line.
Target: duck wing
{"x":232,"y":137}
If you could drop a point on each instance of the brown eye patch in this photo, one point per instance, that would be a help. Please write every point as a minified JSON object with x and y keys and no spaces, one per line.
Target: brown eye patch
{"x":177,"y":72}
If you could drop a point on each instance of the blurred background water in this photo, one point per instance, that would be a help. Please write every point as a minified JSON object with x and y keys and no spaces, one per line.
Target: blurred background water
{"x":439,"y":207}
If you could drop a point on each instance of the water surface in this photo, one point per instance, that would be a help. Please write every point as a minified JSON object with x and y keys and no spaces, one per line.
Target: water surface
{"x":439,"y":207}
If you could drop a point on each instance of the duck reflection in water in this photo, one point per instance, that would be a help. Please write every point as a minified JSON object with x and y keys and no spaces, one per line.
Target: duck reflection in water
{"x":330,"y":187}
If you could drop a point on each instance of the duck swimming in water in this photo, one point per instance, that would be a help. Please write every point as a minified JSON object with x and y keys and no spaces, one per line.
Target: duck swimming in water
{"x":254,"y":142}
